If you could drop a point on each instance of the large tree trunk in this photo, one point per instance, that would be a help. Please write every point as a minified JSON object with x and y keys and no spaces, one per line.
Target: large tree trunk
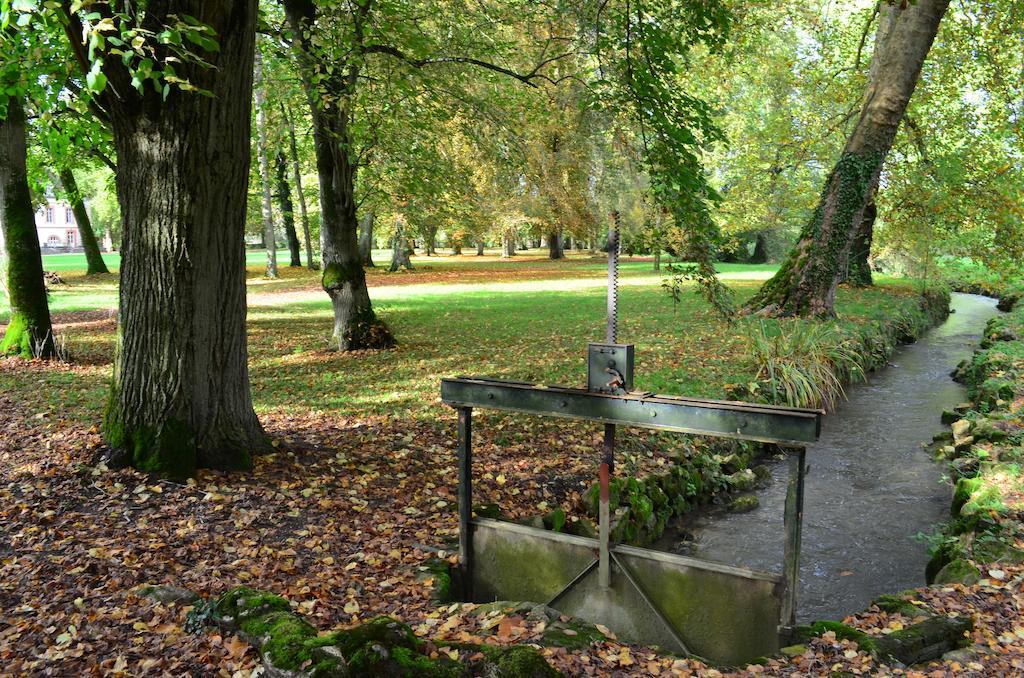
{"x":508,"y":245}
{"x":29,"y":333}
{"x":858,"y":270}
{"x":430,"y":244}
{"x":269,"y":235}
{"x":366,"y":240}
{"x":760,"y":255}
{"x":297,"y":178}
{"x":284,"y":203}
{"x":180,"y":397}
{"x":806,"y":283}
{"x":555,"y":249}
{"x":400,"y":250}
{"x":93,"y":258}
{"x":479,"y":248}
{"x":355,"y":324}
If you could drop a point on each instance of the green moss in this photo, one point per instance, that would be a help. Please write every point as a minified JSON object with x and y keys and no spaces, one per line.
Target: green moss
{"x":744,"y":504}
{"x":242,"y":603}
{"x":440,"y":569}
{"x":581,"y":635}
{"x":842,"y":632}
{"x":965,"y":487}
{"x":898,"y":604}
{"x":381,"y":630}
{"x":959,"y":571}
{"x":336,"y":275}
{"x":285,"y":640}
{"x":924,"y":641}
{"x":168,"y":450}
{"x":522,"y":661}
{"x":400,"y":662}
{"x":17,"y":339}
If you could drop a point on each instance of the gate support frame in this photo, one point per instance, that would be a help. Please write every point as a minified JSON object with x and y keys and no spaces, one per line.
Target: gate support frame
{"x":793,"y":521}
{"x":466,"y":499}
{"x":752,"y":422}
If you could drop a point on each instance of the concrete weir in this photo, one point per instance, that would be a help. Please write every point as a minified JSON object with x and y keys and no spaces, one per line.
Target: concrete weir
{"x":727,"y":614}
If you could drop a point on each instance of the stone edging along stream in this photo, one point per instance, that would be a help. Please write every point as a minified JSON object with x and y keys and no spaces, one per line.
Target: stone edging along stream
{"x":984,"y":449}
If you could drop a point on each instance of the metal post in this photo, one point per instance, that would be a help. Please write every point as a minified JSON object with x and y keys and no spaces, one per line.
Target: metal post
{"x":604,"y":572}
{"x":793,"y":523}
{"x":466,"y":499}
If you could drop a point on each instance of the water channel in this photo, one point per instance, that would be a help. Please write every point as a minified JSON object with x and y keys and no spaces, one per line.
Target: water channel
{"x":870,"y":487}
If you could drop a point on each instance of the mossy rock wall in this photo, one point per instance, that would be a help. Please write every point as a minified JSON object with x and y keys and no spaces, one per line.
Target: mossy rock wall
{"x":985,"y":453}
{"x":291,"y":646}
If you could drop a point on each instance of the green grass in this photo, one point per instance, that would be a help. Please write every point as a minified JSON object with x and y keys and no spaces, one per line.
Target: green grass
{"x":515,"y":326}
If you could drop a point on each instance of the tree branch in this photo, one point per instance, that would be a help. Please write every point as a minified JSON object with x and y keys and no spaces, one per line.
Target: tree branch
{"x":527,"y":78}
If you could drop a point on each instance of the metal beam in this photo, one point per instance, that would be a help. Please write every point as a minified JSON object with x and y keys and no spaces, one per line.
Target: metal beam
{"x":764,"y":423}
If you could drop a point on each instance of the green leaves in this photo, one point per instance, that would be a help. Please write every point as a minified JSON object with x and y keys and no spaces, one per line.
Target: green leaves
{"x":95,"y":79}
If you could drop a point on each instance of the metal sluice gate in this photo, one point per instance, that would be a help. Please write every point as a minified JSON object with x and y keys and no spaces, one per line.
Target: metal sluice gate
{"x":685,"y":605}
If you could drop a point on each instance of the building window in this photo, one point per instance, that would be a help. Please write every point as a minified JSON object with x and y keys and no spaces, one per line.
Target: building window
{"x":53,"y":241}
{"x":69,"y":215}
{"x":71,"y":238}
{"x":49,"y":215}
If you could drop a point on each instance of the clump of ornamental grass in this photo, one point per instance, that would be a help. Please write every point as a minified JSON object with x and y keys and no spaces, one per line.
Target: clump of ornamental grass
{"x":805,"y":363}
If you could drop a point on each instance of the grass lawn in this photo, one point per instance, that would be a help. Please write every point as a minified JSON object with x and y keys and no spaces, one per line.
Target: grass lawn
{"x":341,"y":517}
{"x":529,"y":318}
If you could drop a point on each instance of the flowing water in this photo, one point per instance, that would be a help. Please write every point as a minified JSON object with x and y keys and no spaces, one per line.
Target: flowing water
{"x":870,"y":485}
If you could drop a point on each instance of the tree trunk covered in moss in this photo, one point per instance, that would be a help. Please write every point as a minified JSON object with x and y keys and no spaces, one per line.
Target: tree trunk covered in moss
{"x":284,"y":203}
{"x":858,"y":270}
{"x":356,"y":325}
{"x":297,"y":178}
{"x":93,"y":258}
{"x":29,"y":333}
{"x":366,"y":240}
{"x":180,"y":397}
{"x":806,"y":282}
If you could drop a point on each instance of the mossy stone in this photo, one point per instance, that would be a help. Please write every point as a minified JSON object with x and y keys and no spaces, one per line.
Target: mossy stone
{"x":492,"y":511}
{"x":841,"y":631}
{"x":926,"y":640}
{"x":285,"y":636}
{"x":965,"y":487}
{"x":523,"y":661}
{"x":744,"y":504}
{"x":580,"y":635}
{"x":959,"y":571}
{"x":242,"y":602}
{"x":897,"y":604}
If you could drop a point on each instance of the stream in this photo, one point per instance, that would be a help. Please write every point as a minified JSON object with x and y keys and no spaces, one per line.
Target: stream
{"x":870,"y":487}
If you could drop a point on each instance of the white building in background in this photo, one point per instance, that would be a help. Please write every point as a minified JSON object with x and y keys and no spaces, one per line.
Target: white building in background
{"x":56,"y":227}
